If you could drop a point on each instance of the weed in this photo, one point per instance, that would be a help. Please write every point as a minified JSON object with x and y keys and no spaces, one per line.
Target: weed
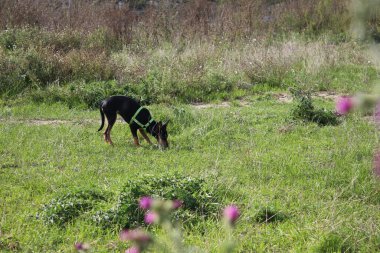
{"x":199,"y":200}
{"x":70,"y":206}
{"x":304,"y":110}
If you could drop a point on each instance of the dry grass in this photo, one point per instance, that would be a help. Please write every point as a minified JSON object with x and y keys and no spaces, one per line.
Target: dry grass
{"x":251,"y":61}
{"x":170,"y":21}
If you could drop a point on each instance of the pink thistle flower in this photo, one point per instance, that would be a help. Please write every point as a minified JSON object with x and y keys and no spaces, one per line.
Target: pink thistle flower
{"x":145,"y":202}
{"x":82,"y":246}
{"x":377,"y":114}
{"x":376,"y":164}
{"x":177,"y":203}
{"x":151,"y":217}
{"x":135,"y":235}
{"x":133,"y":250}
{"x":344,"y":105}
{"x":125,"y":235}
{"x":231,"y":213}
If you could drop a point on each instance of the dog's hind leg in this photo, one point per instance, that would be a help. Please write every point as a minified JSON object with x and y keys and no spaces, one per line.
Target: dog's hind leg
{"x":142,"y":132}
{"x":111,"y":118}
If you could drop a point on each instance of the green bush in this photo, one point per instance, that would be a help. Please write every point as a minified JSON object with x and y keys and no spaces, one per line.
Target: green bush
{"x":32,"y":58}
{"x":199,"y":200}
{"x":20,"y":70}
{"x":304,"y":110}
{"x":78,"y":93}
{"x":66,"y":208}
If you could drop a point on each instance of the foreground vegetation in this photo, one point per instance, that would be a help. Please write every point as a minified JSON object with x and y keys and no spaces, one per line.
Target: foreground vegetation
{"x":317,"y":180}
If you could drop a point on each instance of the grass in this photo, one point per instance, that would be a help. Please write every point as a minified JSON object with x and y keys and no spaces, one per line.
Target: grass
{"x":317,"y":179}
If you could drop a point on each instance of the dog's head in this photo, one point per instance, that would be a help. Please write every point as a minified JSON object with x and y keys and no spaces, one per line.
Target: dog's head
{"x":162,"y":134}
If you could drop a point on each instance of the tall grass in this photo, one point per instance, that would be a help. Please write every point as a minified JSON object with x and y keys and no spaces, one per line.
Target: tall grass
{"x":157,"y":21}
{"x":202,"y":71}
{"x":168,"y":51}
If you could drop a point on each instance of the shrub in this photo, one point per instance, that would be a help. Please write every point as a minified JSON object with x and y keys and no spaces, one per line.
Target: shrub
{"x":21,"y":69}
{"x":199,"y":200}
{"x":66,"y":208}
{"x":86,"y":65}
{"x":78,"y":93}
{"x":32,"y":58}
{"x":304,"y":110}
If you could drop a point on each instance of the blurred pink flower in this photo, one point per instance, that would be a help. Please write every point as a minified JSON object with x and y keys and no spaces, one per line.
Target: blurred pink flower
{"x":132,"y":250}
{"x":231,"y":213}
{"x":145,"y":202}
{"x":376,"y":164}
{"x":79,"y":246}
{"x":177,"y":203}
{"x":344,"y":105}
{"x":150,"y":217}
{"x":136,"y":235}
{"x":377,"y":114}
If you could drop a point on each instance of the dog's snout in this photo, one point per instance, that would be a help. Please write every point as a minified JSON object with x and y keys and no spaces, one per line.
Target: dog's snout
{"x":163,"y":143}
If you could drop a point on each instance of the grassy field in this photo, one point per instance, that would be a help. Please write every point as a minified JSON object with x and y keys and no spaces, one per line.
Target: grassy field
{"x":317,"y":180}
{"x":218,"y":70}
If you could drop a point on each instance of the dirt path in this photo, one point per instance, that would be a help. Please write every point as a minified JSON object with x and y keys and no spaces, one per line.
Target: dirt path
{"x":281,"y":97}
{"x":42,"y":122}
{"x":287,"y":98}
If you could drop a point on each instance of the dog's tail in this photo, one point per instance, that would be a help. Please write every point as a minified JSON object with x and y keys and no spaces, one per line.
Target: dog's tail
{"x":102,"y":116}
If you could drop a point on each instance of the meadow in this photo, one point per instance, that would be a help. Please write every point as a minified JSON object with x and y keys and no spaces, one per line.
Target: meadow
{"x":318,"y":179}
{"x":224,"y":73}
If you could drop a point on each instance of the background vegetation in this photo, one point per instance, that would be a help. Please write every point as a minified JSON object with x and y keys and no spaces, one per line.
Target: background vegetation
{"x":177,"y":51}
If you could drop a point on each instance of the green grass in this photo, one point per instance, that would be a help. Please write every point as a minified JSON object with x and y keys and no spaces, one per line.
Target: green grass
{"x":317,"y":179}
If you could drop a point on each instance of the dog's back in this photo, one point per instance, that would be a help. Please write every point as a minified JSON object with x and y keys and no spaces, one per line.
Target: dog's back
{"x":123,"y":105}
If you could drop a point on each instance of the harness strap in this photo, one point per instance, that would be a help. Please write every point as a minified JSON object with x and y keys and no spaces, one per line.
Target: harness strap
{"x":138,"y":122}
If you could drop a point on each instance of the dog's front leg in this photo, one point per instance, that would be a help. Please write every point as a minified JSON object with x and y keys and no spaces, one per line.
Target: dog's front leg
{"x":135,"y":137}
{"x":136,"y":141}
{"x":142,"y":132}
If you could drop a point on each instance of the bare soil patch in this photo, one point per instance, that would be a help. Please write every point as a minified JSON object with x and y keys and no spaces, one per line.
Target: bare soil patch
{"x":42,"y":122}
{"x":328,"y":95}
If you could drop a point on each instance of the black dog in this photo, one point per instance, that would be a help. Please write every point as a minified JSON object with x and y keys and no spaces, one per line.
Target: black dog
{"x":137,"y":116}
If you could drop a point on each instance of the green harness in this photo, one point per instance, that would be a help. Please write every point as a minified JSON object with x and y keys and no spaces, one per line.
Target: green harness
{"x":138,"y":122}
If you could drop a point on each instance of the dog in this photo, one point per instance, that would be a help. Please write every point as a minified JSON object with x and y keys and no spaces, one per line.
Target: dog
{"x":138,"y":117}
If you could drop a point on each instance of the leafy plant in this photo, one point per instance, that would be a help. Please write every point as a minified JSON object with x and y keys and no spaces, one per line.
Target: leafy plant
{"x":199,"y":200}
{"x":63,"y":209}
{"x":304,"y":110}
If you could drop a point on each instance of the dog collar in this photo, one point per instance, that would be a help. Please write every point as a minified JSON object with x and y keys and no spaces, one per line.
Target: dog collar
{"x":134,"y":119}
